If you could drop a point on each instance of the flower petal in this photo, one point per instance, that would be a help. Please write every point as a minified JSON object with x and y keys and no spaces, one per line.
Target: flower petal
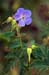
{"x":27,"y":13}
{"x":18,"y":14}
{"x":28,"y":21}
{"x":20,"y":11}
{"x":21,"y":23}
{"x":16,"y":17}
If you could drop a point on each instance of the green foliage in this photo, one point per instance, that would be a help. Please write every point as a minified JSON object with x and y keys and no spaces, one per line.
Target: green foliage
{"x":17,"y":47}
{"x":41,"y":54}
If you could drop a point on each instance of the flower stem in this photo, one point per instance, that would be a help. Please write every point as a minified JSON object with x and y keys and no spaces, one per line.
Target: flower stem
{"x":19,"y":36}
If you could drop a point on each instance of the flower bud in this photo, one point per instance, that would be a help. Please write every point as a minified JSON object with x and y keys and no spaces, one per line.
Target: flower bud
{"x":14,"y":22}
{"x":34,"y":46}
{"x":29,"y":51}
{"x":13,"y":25}
{"x":9,"y":19}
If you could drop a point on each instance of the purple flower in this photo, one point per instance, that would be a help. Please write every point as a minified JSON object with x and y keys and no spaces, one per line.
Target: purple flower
{"x":23,"y":17}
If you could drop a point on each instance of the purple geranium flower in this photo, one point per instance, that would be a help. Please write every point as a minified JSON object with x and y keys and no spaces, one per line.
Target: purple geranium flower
{"x":23,"y":17}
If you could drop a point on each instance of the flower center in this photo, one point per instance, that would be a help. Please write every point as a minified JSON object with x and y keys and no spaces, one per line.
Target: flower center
{"x":22,"y":17}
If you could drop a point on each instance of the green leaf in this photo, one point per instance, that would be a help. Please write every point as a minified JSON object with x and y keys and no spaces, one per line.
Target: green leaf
{"x":6,"y":35}
{"x":14,"y":43}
